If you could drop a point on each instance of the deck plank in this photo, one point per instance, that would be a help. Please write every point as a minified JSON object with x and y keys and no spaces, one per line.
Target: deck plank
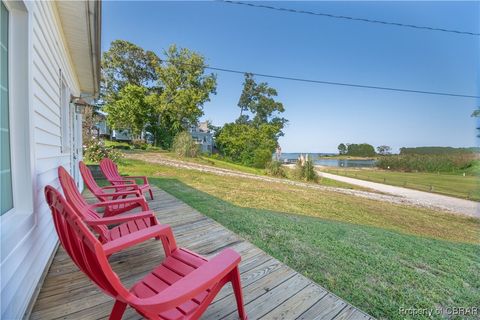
{"x":271,"y":289}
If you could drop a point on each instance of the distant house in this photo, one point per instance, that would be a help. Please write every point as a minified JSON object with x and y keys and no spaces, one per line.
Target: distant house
{"x":202,"y":136}
{"x":50,"y":57}
{"x":104,"y":131}
{"x":121,"y":135}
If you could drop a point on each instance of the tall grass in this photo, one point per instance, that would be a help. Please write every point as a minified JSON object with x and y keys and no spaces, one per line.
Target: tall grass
{"x":429,"y":162}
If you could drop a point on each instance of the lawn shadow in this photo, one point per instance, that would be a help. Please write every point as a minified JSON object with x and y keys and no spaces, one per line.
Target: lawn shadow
{"x":376,"y":269}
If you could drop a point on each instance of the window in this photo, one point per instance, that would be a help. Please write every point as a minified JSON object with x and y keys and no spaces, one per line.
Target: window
{"x":6,"y":194}
{"x":65,"y":114}
{"x":16,"y":167}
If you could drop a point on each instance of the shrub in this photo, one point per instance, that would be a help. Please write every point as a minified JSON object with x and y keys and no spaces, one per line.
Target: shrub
{"x":298,"y":171}
{"x":139,"y":144}
{"x":309,"y":173}
{"x":274,"y":168}
{"x":95,"y":150}
{"x":261,"y":157}
{"x":305,"y":171}
{"x":427,"y":162}
{"x":246,"y":144}
{"x":184,"y":146}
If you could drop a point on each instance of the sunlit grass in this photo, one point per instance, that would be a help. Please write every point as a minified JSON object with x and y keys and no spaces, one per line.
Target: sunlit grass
{"x":376,"y":255}
{"x":454,"y":184}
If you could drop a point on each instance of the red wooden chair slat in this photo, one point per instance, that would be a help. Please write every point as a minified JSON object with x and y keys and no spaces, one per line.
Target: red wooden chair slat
{"x":91,"y":217}
{"x":161,"y":294}
{"x":119,"y":192}
{"x":110,"y":171}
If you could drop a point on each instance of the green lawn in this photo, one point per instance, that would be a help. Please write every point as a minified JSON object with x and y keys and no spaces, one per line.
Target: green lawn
{"x":217,"y":163}
{"x":210,"y":161}
{"x":378,"y":256}
{"x":455,"y":185}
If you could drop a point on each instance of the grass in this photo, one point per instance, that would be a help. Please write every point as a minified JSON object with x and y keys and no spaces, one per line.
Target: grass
{"x":455,"y":185}
{"x":378,"y":256}
{"x":209,"y":161}
{"x":222,"y":164}
{"x":117,"y":144}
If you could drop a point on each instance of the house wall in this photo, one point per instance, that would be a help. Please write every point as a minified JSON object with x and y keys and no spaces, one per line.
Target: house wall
{"x":28,"y":238}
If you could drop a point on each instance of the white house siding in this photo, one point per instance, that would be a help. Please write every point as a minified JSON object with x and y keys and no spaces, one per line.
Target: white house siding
{"x":27,"y":247}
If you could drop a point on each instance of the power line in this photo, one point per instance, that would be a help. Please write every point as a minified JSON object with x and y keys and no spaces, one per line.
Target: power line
{"x":355,"y":85}
{"x":329,"y":15}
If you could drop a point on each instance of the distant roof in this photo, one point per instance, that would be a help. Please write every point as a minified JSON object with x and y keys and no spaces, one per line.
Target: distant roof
{"x":100,"y":112}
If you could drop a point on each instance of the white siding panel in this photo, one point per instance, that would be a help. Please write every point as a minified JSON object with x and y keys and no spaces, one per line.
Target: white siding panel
{"x":51,"y":163}
{"x":47,"y":150}
{"x":45,"y":137}
{"x":26,"y":261}
{"x":43,"y":122}
{"x":46,"y":178}
{"x":48,"y":88}
{"x":42,"y":65}
{"x":47,"y":109}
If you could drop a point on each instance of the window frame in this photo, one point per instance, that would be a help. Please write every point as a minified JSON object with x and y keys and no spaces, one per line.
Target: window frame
{"x":8,"y":107}
{"x":65,"y":116}
{"x":19,"y":220}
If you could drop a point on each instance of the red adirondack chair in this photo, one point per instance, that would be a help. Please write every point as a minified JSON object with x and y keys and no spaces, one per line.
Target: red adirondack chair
{"x":126,"y":224}
{"x":102,"y":194}
{"x":181,"y":287}
{"x":110,"y":171}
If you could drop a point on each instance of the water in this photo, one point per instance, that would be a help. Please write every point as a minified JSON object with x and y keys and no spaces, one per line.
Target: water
{"x":338,"y":163}
{"x":347,"y":163}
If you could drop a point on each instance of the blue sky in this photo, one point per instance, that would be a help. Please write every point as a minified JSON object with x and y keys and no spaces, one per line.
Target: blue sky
{"x":297,"y":45}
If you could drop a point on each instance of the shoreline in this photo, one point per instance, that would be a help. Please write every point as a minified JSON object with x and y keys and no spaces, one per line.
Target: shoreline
{"x":347,"y":158}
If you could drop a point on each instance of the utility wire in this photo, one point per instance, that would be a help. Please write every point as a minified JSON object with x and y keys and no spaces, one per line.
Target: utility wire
{"x":355,"y":85}
{"x":329,"y":15}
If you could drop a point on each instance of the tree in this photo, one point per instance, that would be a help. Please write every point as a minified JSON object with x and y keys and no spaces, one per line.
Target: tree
{"x":130,"y":110}
{"x":360,"y":150}
{"x":253,"y":141}
{"x":126,"y":63}
{"x":476,"y":114}
{"x":342,"y":149}
{"x":185,"y":89}
{"x":259,"y":100}
{"x":384,"y":150}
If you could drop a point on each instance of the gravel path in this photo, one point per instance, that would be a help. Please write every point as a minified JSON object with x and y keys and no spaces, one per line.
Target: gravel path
{"x":466,"y":207}
{"x":390,"y":197}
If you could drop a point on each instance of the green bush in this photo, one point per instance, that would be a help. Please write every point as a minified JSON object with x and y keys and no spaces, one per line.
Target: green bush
{"x":261,"y":157}
{"x":184,"y":146}
{"x":428,"y":162}
{"x":246,"y":144}
{"x":274,"y":168}
{"x":298,"y":170}
{"x":139,"y":144}
{"x":305,"y":171}
{"x":309,"y":173}
{"x":95,"y":150}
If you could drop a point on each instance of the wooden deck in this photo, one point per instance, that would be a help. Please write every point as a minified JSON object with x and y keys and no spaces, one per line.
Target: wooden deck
{"x":271,"y":289}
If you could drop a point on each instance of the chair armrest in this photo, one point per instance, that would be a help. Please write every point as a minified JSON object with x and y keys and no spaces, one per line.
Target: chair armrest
{"x":120,"y":218}
{"x":121,"y":186}
{"x":122,"y":193}
{"x":124,"y":181}
{"x":163,"y":231}
{"x":139,"y":200}
{"x":144,"y":178}
{"x":199,"y":280}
